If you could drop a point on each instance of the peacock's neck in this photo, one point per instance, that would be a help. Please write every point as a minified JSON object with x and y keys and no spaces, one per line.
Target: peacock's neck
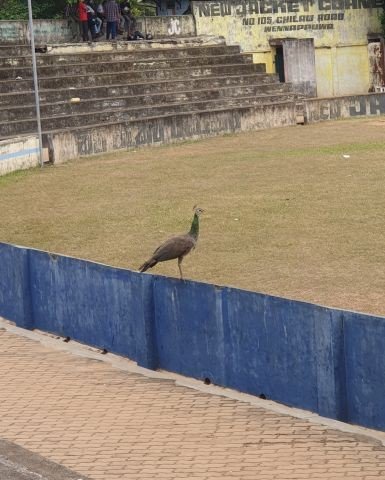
{"x":194,"y":230}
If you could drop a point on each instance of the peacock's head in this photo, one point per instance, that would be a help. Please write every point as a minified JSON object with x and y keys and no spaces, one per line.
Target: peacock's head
{"x":198,"y":210}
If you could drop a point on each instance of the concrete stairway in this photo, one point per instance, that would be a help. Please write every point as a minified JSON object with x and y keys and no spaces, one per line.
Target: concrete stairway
{"x":188,"y":89}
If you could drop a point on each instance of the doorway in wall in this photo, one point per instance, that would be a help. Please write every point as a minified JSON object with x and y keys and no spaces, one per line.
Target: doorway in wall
{"x":295,"y":63}
{"x":279,"y":64}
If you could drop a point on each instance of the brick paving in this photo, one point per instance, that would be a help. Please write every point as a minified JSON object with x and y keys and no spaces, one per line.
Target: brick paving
{"x":109,"y":424}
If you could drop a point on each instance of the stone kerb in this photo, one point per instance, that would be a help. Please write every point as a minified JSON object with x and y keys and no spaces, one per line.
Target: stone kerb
{"x":304,"y":355}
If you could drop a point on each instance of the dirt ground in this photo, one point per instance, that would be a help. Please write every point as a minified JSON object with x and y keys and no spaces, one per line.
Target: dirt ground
{"x":296,"y":212}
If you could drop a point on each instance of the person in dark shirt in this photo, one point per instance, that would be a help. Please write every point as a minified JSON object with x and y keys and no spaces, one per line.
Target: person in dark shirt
{"x":91,"y":18}
{"x":71,"y":14}
{"x":112,"y":14}
{"x":128,"y":17}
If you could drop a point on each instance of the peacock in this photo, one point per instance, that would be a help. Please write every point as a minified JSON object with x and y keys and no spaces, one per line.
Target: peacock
{"x":176,"y":247}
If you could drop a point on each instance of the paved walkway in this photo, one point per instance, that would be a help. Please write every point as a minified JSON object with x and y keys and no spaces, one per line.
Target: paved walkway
{"x":109,"y":424}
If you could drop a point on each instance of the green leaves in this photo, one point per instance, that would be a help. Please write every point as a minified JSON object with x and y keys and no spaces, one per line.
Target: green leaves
{"x":382,"y":20}
{"x":18,"y":9}
{"x":13,"y":10}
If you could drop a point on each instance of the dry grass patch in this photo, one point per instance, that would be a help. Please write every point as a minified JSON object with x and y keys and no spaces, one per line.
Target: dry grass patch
{"x":287,"y":214}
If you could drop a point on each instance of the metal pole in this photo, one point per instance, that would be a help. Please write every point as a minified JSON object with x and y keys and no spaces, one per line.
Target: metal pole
{"x":35,"y":84}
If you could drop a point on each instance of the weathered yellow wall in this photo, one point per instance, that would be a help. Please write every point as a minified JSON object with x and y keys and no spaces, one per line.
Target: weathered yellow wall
{"x":342,"y":70}
{"x":324,"y":71}
{"x":352,"y":70}
{"x":267,"y":58}
{"x":339,"y":29}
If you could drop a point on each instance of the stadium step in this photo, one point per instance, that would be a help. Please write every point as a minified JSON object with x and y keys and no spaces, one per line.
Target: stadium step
{"x":259,"y":85}
{"x":88,"y":87}
{"x":129,"y":76}
{"x":127,"y":113}
{"x":123,"y":66}
{"x":126,"y":55}
{"x":96,"y":104}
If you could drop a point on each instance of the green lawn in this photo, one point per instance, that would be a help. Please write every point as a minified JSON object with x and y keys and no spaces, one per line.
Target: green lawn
{"x":286,"y":212}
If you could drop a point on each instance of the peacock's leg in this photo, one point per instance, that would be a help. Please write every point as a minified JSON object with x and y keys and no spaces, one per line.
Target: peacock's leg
{"x":180,"y":267}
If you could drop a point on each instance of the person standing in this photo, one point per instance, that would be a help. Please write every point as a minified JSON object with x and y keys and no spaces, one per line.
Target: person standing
{"x":70,"y":13}
{"x":112,"y":14}
{"x":128,"y":17}
{"x":83,"y":19}
{"x":100,"y":15}
{"x":91,"y":15}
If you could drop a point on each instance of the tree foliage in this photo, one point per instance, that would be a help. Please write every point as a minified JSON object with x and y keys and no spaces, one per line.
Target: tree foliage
{"x":18,"y":9}
{"x":382,"y":20}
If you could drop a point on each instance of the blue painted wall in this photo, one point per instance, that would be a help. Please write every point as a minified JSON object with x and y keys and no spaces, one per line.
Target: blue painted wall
{"x":15,"y":297}
{"x":324,"y":360}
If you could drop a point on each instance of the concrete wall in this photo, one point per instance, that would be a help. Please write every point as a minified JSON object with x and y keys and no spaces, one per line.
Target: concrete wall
{"x":18,"y":154}
{"x":58,"y":31}
{"x":63,"y":145}
{"x":322,"y":109}
{"x":166,"y":27}
{"x":84,"y":141}
{"x":46,"y":31}
{"x":339,"y":29}
{"x":324,"y":360}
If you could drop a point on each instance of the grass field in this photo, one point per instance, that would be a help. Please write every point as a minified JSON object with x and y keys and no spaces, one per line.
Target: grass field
{"x":286,"y":212}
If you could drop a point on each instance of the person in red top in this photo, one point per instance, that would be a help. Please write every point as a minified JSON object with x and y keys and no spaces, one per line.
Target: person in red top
{"x":83,"y":19}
